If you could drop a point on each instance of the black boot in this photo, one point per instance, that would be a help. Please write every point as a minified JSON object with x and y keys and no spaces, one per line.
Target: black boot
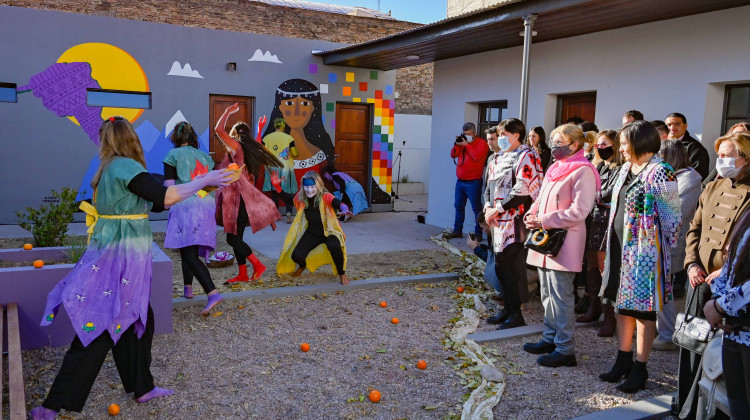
{"x":622,"y":367}
{"x":542,"y":347}
{"x":636,"y":380}
{"x":594,"y":309}
{"x":609,"y":325}
{"x":499,"y":318}
{"x":583,"y":304}
{"x":514,"y":320}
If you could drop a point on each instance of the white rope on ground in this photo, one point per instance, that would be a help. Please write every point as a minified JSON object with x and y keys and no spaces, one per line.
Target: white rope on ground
{"x":487,"y":395}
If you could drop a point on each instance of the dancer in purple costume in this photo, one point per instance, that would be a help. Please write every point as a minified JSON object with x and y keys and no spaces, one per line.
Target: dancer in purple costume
{"x":106,"y":295}
{"x":192,"y":225}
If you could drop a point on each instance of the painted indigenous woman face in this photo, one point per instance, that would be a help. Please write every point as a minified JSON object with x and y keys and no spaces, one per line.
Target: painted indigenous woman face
{"x":308,"y":184}
{"x":296,"y":111}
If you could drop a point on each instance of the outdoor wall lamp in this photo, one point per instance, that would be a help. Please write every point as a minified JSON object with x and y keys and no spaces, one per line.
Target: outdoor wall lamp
{"x":231,"y":66}
{"x":412,"y":57}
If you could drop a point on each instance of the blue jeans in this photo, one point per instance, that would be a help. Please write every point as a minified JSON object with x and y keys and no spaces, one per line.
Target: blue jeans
{"x":473,"y":191}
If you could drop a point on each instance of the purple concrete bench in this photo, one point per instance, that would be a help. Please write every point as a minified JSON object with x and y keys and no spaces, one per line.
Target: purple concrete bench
{"x":29,"y":286}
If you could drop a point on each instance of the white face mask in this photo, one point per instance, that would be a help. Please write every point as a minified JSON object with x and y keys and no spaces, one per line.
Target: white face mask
{"x":310,"y":190}
{"x":726,"y":169}
{"x":503,"y":143}
{"x":469,"y":138}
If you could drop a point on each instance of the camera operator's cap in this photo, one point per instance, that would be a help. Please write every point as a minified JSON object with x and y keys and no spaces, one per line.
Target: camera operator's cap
{"x":469,"y":126}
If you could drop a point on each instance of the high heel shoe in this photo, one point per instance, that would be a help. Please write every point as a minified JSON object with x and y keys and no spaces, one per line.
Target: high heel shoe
{"x":622,"y":367}
{"x":636,"y":380}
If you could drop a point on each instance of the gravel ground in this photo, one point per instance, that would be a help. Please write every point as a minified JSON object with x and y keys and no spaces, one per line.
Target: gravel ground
{"x":246,"y":362}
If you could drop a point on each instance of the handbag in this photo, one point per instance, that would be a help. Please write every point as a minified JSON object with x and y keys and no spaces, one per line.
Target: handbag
{"x":546,"y":241}
{"x":691,"y":331}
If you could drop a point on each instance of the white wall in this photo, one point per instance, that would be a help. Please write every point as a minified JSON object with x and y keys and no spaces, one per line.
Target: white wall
{"x":415,"y":157}
{"x":680,"y":65}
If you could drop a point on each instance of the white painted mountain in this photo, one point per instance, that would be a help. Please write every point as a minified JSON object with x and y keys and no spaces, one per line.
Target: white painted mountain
{"x":267,"y":57}
{"x":185,"y":71}
{"x":177,"y":117}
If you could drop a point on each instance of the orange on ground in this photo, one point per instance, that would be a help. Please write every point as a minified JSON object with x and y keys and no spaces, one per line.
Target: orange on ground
{"x":27,"y":246}
{"x":394,"y":320}
{"x":233,"y":166}
{"x":460,"y":289}
{"x":383,"y":304}
{"x":422,"y":365}
{"x":374,"y":395}
{"x":38,"y":264}
{"x":113,"y":409}
{"x":304,"y":347}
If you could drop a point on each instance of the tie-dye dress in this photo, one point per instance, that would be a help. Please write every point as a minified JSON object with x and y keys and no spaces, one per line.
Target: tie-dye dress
{"x":192,"y":221}
{"x":109,"y":289}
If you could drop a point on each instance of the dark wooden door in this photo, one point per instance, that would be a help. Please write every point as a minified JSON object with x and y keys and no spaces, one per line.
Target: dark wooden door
{"x":577,"y":105}
{"x":352,"y":145}
{"x":217,"y":105}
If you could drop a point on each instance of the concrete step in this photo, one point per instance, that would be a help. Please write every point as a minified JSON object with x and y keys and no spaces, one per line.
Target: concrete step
{"x":652,"y":408}
{"x":500,"y":335}
{"x":311,"y":289}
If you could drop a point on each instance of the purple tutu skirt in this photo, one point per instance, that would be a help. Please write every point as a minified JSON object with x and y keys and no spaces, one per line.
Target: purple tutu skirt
{"x":107,"y":291}
{"x":192,"y":222}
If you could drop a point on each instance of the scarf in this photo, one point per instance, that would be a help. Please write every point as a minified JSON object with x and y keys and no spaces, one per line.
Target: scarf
{"x":562,"y":168}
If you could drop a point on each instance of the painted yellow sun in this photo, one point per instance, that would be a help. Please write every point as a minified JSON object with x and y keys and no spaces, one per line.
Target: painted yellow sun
{"x":114,"y":69}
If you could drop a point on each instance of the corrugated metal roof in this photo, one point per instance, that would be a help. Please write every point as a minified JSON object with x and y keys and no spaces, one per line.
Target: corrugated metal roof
{"x":328,"y":8}
{"x":498,"y":26}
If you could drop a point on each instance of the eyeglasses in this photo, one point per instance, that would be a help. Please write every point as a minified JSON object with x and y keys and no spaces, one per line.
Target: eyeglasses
{"x":559,"y":145}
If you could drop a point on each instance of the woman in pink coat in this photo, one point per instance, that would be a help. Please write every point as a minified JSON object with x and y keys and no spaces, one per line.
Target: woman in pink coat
{"x":567,"y":197}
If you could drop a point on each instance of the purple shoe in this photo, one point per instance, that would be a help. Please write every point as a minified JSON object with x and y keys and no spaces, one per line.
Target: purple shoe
{"x":213,"y":300}
{"x":188,"y":293}
{"x":42,"y":413}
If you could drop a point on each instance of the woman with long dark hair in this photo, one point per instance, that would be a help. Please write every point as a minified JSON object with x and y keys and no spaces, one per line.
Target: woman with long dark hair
{"x":298,"y":103}
{"x":241,"y":204}
{"x":537,"y":139}
{"x":106,"y":295}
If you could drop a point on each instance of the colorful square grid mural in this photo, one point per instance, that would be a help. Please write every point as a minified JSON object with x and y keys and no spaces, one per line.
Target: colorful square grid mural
{"x":384,"y":107}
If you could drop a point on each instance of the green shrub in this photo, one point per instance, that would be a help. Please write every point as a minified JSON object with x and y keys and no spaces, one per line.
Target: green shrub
{"x":76,"y":246}
{"x":405,"y":179}
{"x":49,"y":223}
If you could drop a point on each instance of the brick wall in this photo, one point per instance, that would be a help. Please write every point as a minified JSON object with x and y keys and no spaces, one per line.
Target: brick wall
{"x":413,"y":84}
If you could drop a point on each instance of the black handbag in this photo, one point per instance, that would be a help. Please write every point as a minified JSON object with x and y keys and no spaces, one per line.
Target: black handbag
{"x":692,"y":332}
{"x":546,"y":241}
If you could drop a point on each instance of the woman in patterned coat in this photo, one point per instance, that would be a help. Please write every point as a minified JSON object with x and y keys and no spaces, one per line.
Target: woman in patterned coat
{"x":644,"y":224}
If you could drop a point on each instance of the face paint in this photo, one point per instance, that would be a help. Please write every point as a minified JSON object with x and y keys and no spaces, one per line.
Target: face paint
{"x":310,"y":188}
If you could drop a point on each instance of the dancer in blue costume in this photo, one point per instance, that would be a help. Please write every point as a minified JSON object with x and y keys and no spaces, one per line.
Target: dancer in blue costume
{"x":106,"y":295}
{"x":192,"y":225}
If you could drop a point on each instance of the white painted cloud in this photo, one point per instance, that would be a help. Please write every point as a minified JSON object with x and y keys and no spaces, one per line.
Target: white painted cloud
{"x":186,"y":71}
{"x":177,"y":117}
{"x":267,"y":56}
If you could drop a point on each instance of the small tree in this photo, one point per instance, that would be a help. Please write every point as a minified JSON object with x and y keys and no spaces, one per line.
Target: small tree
{"x":49,"y":223}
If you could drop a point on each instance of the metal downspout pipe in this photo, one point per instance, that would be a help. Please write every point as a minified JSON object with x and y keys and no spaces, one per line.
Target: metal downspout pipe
{"x":528,"y":23}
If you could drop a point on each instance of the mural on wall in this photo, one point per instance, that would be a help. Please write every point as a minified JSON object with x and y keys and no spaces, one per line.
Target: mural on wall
{"x":184,"y":71}
{"x":359,"y":89}
{"x":259,"y":55}
{"x":298,"y":102}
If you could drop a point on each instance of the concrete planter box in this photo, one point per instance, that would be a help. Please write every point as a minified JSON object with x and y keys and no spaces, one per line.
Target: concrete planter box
{"x":408,"y":188}
{"x":29,"y":286}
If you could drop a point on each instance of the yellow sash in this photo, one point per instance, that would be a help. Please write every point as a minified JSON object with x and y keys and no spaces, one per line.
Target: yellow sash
{"x":92,"y":216}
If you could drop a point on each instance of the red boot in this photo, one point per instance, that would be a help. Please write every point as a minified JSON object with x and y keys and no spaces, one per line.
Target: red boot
{"x":240,"y":277}
{"x":258,"y":267}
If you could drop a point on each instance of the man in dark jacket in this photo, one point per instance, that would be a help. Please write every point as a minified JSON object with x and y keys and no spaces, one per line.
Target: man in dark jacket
{"x":699,"y":160}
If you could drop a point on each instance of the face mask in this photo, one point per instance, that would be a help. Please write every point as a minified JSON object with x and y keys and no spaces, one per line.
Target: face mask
{"x":560,"y":152}
{"x":606,"y":152}
{"x":503,"y":143}
{"x":726,"y":169}
{"x":469,"y":139}
{"x":309,"y":186}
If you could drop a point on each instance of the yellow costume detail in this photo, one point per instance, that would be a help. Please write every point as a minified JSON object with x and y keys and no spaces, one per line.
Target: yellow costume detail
{"x":92,"y":216}
{"x":320,"y":255}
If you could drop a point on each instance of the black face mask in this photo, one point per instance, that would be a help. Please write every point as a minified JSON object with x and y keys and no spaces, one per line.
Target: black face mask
{"x":606,"y":152}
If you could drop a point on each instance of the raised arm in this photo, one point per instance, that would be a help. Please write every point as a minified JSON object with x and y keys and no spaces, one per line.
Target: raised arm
{"x":230,"y":143}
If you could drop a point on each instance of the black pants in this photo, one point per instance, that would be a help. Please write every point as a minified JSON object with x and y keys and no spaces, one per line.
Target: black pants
{"x":241,"y":250}
{"x":689,"y":370}
{"x":735,"y":360}
{"x":283,"y":197}
{"x":510,"y":268}
{"x":193,"y":266}
{"x":81,"y":365}
{"x":310,"y":240}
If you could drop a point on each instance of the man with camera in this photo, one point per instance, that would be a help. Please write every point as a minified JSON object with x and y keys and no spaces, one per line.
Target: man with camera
{"x":469,"y":153}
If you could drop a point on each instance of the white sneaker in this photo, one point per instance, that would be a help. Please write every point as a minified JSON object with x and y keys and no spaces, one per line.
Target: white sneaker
{"x":662,"y":345}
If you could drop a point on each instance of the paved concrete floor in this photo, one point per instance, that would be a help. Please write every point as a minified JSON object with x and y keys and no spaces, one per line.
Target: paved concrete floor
{"x":365,"y":233}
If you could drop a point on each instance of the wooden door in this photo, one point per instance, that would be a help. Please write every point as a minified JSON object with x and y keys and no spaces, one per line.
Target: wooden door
{"x":577,"y":105}
{"x":217,"y":105}
{"x":352,"y":147}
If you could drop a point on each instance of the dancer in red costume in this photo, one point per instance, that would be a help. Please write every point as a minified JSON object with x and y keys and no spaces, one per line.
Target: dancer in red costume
{"x":241,"y":204}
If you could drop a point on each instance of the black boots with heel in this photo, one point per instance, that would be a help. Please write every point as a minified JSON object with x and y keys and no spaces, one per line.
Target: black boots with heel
{"x":622,"y":367}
